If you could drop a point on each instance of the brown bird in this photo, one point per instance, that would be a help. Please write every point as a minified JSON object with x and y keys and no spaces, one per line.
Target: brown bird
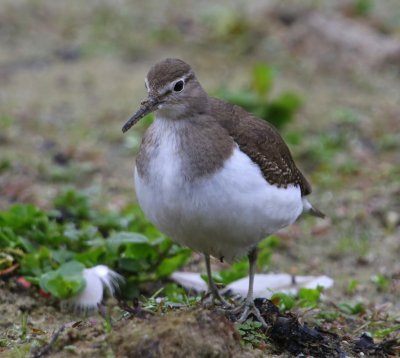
{"x":212,"y":176}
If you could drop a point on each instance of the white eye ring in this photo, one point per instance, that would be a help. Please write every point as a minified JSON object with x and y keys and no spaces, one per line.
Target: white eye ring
{"x":178,"y":86}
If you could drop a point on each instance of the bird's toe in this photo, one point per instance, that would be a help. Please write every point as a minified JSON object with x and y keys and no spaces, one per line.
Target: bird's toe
{"x":246,"y":310}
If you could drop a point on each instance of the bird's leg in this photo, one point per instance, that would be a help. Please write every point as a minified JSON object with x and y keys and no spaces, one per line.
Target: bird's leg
{"x":212,"y":288}
{"x":248,"y":305}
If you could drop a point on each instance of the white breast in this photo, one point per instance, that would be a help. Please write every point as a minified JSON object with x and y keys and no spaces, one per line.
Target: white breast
{"x":223,"y":214}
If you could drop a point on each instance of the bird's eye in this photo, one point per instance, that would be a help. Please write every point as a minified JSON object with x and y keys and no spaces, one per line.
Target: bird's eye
{"x":178,"y":86}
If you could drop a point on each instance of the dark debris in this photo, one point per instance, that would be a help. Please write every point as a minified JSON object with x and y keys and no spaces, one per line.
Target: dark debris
{"x":365,"y":344}
{"x":288,"y":335}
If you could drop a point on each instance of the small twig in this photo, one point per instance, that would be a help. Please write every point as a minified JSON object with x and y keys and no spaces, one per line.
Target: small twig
{"x":47,"y":348}
{"x":8,"y":270}
{"x":360,"y":328}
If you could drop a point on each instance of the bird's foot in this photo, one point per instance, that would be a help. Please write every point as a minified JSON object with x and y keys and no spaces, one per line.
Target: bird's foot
{"x":246,"y":309}
{"x":214,"y":298}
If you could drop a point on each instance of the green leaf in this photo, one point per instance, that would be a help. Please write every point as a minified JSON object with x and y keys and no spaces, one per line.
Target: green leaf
{"x":79,"y":236}
{"x":282,"y":108}
{"x":363,"y":8}
{"x":95,"y":256}
{"x":236,"y":271}
{"x":284,"y":301}
{"x":266,"y":249}
{"x":73,"y":205}
{"x":71,"y":269}
{"x":111,"y":221}
{"x":309,"y":296}
{"x":64,"y":282}
{"x":352,"y":286}
{"x":352,"y":308}
{"x":382,"y":283}
{"x":262,"y":79}
{"x":37,"y":262}
{"x":121,"y":238}
{"x":176,"y":294}
{"x":328,"y":315}
{"x":132,"y":265}
{"x":61,"y":256}
{"x":139,"y":251}
{"x":384,"y":332}
{"x":170,"y":264}
{"x":9,"y":239}
{"x":129,"y":289}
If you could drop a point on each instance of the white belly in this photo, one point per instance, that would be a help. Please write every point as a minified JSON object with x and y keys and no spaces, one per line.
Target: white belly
{"x":223,"y":214}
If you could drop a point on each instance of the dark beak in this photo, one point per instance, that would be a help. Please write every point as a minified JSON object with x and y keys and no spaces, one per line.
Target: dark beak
{"x":147,"y":106}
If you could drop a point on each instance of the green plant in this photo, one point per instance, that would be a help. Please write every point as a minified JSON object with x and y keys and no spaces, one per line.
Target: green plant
{"x":309,"y":297}
{"x":306,"y":297}
{"x":328,"y":315}
{"x":51,"y":249}
{"x":382,"y":282}
{"x":177,"y":295}
{"x":256,"y":98}
{"x":24,"y":325}
{"x":363,"y":7}
{"x":169,"y":296}
{"x":352,"y":286}
{"x":251,"y":334}
{"x":384,"y":332}
{"x":64,"y":282}
{"x":5,"y":164}
{"x":284,"y":301}
{"x":352,"y":308}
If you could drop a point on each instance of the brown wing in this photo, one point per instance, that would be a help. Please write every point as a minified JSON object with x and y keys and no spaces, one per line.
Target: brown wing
{"x":262,"y":143}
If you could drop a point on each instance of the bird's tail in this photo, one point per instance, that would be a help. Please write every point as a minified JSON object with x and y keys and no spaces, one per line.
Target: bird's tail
{"x":309,"y":209}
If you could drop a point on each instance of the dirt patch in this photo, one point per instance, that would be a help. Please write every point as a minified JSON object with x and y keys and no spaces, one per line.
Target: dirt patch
{"x":337,"y":42}
{"x":185,"y":333}
{"x":196,"y":333}
{"x":203,"y":333}
{"x":82,"y":339}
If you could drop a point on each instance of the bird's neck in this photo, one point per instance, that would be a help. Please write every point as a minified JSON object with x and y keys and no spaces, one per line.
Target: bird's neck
{"x":203,"y":145}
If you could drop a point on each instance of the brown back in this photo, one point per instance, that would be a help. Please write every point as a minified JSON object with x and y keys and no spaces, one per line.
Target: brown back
{"x":262,"y":143}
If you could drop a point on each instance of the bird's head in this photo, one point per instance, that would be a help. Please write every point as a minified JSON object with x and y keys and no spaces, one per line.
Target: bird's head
{"x":172,"y":90}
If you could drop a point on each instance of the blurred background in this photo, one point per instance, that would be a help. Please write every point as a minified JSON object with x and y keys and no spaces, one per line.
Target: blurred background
{"x":72,"y":72}
{"x":326,"y":73}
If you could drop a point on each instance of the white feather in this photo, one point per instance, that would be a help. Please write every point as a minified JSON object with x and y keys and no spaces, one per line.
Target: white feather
{"x":265,"y":285}
{"x":97,"y":279}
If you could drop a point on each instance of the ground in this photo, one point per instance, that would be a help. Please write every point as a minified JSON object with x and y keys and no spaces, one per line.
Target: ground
{"x":72,"y":73}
